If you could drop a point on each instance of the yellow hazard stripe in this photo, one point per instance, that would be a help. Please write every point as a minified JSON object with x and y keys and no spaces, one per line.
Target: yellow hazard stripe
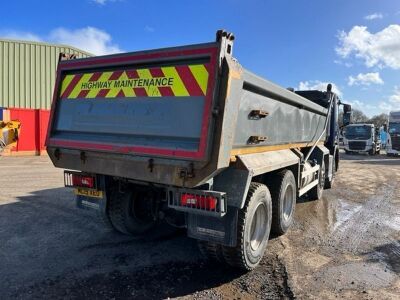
{"x":178,"y":88}
{"x":156,"y":82}
{"x":65,"y":83}
{"x":201,"y":74}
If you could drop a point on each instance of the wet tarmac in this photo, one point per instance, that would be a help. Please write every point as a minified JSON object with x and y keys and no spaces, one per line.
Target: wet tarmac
{"x":346,"y":245}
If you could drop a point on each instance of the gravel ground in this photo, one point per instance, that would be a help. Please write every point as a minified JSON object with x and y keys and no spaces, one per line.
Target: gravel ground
{"x":346,"y":245}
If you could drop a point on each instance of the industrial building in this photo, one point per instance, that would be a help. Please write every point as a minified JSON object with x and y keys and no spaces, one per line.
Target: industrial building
{"x":27,"y":77}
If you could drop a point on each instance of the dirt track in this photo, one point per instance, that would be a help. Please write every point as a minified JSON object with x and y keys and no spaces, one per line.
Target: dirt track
{"x":346,"y":245}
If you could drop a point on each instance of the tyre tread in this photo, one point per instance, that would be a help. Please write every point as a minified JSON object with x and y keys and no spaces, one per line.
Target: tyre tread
{"x":275,"y":188}
{"x":234,"y":256}
{"x":116,"y":212}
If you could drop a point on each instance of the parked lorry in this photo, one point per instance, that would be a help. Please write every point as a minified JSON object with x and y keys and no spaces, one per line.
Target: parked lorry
{"x":362,"y":138}
{"x":393,"y":142}
{"x":186,"y":135}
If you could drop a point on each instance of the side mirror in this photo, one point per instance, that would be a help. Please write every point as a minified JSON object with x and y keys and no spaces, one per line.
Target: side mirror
{"x":347,"y":114}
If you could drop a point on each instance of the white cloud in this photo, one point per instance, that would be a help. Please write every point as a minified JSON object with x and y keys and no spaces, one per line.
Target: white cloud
{"x":368,"y":109}
{"x":318,"y":85}
{"x":19,"y":35}
{"x":90,"y":39}
{"x":103,"y":2}
{"x":387,"y":106}
{"x":395,"y":98}
{"x":393,"y":102}
{"x":373,"y":16}
{"x":365,"y":79}
{"x":149,"y":28}
{"x":380,"y":49}
{"x":343,"y":63}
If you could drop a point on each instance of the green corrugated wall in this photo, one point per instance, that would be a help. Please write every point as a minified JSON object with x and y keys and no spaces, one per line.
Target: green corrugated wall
{"x":28,"y":71}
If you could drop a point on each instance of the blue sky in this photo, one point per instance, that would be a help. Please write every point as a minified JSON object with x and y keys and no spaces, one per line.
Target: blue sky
{"x":353,"y":44}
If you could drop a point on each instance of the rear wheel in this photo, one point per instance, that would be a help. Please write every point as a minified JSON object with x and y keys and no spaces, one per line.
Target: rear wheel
{"x":283,"y":193}
{"x":254,"y":225}
{"x":329,"y":183}
{"x":317,"y":191}
{"x":372,"y":151}
{"x":129,"y":212}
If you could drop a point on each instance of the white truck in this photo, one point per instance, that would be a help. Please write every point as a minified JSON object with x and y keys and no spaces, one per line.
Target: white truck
{"x":393,"y":142}
{"x":361,"y":138}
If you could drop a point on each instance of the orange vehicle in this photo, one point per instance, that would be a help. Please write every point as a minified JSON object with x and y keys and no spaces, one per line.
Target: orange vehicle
{"x":8,"y":133}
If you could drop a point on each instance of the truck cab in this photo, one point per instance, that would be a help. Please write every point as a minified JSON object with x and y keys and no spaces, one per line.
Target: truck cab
{"x":393,"y":136}
{"x":361,"y":138}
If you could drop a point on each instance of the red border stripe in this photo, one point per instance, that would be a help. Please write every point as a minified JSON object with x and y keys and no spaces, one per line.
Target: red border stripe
{"x":140,"y":92}
{"x":116,"y":75}
{"x":156,"y":72}
{"x":71,"y":85}
{"x":102,"y":93}
{"x":83,"y":93}
{"x":132,"y":74}
{"x":95,"y":76}
{"x":189,"y":81}
{"x":165,"y":91}
{"x":121,"y":94}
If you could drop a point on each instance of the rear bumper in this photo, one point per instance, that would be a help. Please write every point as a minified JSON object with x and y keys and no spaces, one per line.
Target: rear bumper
{"x":166,"y":172}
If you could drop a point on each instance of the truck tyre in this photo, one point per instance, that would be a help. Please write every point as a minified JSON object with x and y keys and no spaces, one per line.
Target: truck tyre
{"x":337,"y":159}
{"x":372,"y":151}
{"x":125,"y":215}
{"x":329,"y":183}
{"x":316,"y":192}
{"x":211,"y":251}
{"x":254,"y":225}
{"x":284,"y":195}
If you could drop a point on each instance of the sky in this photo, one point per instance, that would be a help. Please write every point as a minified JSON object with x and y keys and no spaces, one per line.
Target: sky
{"x":305,"y":44}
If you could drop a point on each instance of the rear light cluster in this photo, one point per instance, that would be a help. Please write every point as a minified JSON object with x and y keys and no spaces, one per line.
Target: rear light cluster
{"x":203,"y":202}
{"x":72,"y":179}
{"x":199,"y":201}
{"x":83,"y":181}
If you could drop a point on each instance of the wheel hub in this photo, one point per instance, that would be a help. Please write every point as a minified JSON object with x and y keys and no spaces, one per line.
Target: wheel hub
{"x":258,"y":227}
{"x":288,"y":200}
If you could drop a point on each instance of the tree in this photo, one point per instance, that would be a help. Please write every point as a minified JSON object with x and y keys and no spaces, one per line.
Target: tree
{"x":379,"y":120}
{"x":359,"y":116}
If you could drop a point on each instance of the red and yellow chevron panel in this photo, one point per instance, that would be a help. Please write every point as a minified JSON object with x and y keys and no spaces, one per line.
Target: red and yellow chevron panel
{"x":176,"y":81}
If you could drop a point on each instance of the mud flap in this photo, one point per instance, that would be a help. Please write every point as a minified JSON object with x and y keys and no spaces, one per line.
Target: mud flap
{"x":99,"y":204}
{"x":218,"y":230}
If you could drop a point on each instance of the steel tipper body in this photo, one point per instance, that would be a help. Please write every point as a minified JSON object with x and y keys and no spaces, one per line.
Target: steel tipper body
{"x":362,"y":138}
{"x":186,"y":135}
{"x":393,"y":143}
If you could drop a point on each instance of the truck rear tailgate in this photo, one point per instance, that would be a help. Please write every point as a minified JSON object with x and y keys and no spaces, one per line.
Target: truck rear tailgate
{"x":154,"y":103}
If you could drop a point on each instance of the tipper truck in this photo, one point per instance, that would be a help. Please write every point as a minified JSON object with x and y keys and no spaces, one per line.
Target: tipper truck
{"x":189,"y":137}
{"x":393,"y":143}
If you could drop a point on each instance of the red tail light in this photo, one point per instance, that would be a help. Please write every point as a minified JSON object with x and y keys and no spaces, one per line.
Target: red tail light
{"x":82,"y":181}
{"x":199,"y":201}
